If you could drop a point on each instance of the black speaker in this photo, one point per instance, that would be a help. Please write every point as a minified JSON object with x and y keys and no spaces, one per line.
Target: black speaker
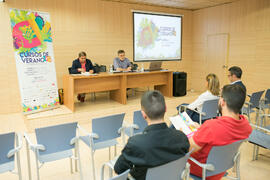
{"x":179,"y":84}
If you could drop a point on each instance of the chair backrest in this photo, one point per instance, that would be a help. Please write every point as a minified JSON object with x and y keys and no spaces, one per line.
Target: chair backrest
{"x":122,"y":176}
{"x":222,"y":157}
{"x":7,"y":143}
{"x":107,"y":127}
{"x":255,"y":99}
{"x":56,"y":138}
{"x":140,"y":121}
{"x":172,"y":170}
{"x":210,"y":108}
{"x":69,"y":70}
{"x":267,"y":96}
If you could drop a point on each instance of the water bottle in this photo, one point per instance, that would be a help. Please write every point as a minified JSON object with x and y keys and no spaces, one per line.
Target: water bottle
{"x":111,"y":68}
{"x":142,"y":68}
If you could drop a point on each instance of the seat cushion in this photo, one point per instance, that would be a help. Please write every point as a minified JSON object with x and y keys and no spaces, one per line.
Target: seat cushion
{"x":259,"y":138}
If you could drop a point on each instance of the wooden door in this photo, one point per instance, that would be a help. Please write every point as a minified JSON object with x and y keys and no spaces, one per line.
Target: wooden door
{"x":217,"y":56}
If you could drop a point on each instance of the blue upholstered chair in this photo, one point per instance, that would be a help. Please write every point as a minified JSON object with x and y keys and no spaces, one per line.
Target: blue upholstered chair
{"x":105,"y":131}
{"x":253,"y":105}
{"x":11,"y":144}
{"x":175,"y":170}
{"x":54,"y":143}
{"x":220,"y":159}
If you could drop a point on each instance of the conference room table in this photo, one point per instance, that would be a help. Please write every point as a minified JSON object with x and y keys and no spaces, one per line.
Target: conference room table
{"x":116,"y":84}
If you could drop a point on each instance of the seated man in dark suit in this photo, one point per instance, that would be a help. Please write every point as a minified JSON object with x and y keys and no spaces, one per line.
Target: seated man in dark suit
{"x":235,"y":74}
{"x":157,"y":145}
{"x":81,"y":65}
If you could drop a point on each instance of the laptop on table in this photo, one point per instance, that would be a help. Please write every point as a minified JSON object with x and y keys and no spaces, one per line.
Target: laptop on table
{"x":154,"y":66}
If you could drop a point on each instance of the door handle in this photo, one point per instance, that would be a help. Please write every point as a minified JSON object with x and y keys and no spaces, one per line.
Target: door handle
{"x":224,"y":66}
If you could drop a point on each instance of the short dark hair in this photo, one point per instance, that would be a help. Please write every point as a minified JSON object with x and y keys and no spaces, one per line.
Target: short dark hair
{"x":234,"y":96}
{"x":237,"y":71}
{"x":120,"y":51}
{"x":82,"y":54}
{"x":153,"y":104}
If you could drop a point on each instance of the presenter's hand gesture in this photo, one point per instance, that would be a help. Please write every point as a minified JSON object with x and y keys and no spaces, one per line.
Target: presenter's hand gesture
{"x":81,"y":70}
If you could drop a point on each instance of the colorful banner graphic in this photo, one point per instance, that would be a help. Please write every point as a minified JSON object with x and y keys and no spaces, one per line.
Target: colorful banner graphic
{"x":31,"y":32}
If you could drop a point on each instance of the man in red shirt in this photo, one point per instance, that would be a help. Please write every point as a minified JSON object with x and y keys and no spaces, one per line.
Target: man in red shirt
{"x":226,"y":129}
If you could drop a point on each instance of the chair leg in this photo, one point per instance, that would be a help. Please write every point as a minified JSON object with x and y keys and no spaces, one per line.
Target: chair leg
{"x":200,"y":119}
{"x":19,"y":166}
{"x":71,"y":166}
{"x":115,"y":150}
{"x":110,"y":173}
{"x":237,"y":165}
{"x":102,"y":172}
{"x":123,"y":138}
{"x":18,"y":160}
{"x":93,"y":165}
{"x":37,"y":165}
{"x":257,"y":117}
{"x":109,"y":153}
{"x":133,"y":91}
{"x":257,"y":152}
{"x":254,"y":149}
{"x":203,"y":174}
{"x":28,"y":161}
{"x":78,"y":158}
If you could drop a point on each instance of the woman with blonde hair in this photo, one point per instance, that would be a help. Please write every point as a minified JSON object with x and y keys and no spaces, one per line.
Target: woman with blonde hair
{"x":212,"y":92}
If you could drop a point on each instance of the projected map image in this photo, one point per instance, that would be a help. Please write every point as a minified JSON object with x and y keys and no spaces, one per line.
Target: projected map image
{"x":156,"y":37}
{"x":147,"y":34}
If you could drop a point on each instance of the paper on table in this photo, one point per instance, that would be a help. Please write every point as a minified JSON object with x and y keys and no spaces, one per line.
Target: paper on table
{"x":88,"y":74}
{"x":184,"y":123}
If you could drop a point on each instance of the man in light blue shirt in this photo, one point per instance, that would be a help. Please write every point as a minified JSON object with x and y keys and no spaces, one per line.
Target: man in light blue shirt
{"x":121,"y":63}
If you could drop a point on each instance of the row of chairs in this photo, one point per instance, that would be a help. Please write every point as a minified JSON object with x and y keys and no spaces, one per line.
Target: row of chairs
{"x":260,"y":135}
{"x":51,"y":146}
{"x":255,"y":104}
{"x":62,"y":141}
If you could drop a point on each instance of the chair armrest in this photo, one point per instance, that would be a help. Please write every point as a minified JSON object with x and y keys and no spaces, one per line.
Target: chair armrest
{"x":261,"y":128}
{"x":263,"y":99}
{"x":236,"y":156}
{"x":249,"y":95}
{"x":185,"y":106}
{"x":267,"y":115}
{"x":16,"y":149}
{"x":209,"y":167}
{"x":201,"y":113}
{"x":121,"y":129}
{"x":186,"y":171}
{"x":133,"y":126}
{"x":32,"y":146}
{"x":111,"y":163}
{"x":74,"y":140}
{"x":248,"y":103}
{"x":93,"y":135}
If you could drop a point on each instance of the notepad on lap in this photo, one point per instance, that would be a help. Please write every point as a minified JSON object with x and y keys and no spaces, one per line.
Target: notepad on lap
{"x":184,"y":123}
